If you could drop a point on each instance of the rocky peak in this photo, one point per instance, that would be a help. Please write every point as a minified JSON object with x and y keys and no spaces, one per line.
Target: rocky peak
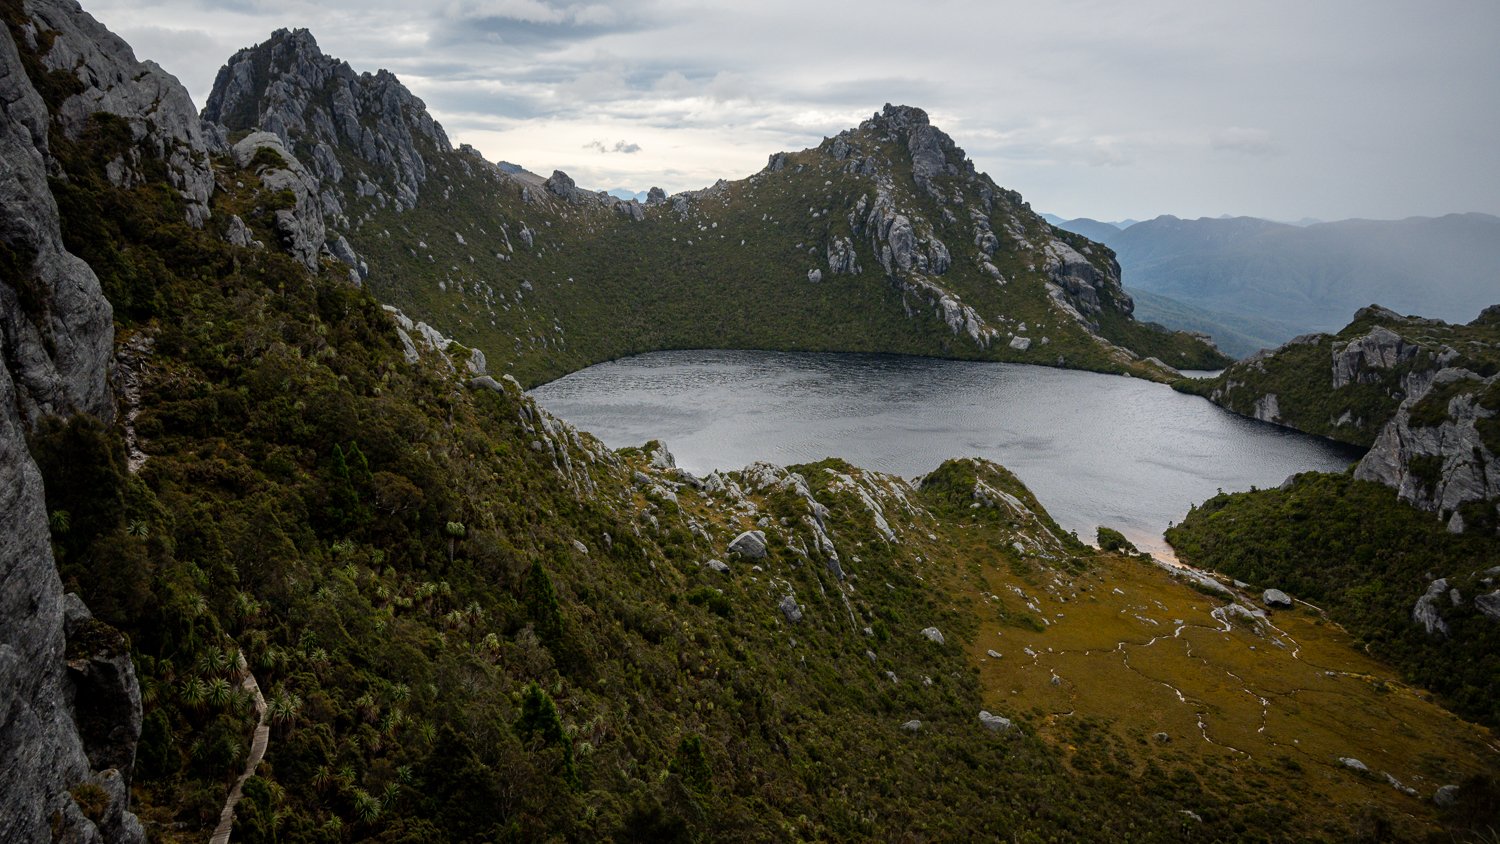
{"x":932,"y":152}
{"x":561,"y":185}
{"x":894,"y":119}
{"x":327,"y":114}
{"x":110,"y":80}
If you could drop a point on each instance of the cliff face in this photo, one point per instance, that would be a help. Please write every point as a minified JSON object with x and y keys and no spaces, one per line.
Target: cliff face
{"x":70,"y":709}
{"x":1441,"y":449}
{"x":99,"y":73}
{"x":1422,"y":394}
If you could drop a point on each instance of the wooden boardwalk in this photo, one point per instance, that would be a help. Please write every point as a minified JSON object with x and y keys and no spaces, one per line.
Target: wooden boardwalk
{"x":258,"y":743}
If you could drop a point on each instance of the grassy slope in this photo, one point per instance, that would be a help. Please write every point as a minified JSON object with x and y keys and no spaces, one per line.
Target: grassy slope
{"x":1366,"y":557}
{"x":1099,"y":655}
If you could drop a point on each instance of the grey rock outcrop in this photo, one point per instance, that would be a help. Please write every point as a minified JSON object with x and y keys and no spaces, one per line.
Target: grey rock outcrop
{"x":161,"y":117}
{"x":1020,"y":344}
{"x":1381,"y":349}
{"x":1354,"y":764}
{"x":236,"y":233}
{"x":106,"y":697}
{"x":288,"y":87}
{"x":932,"y":634}
{"x":57,"y":329}
{"x":57,"y":336}
{"x":1276,"y":599}
{"x":1425,"y":611}
{"x":1086,"y":288}
{"x":842,"y":259}
{"x":1446,"y":796}
{"x":1489,"y":605}
{"x":561,"y":185}
{"x":938,"y":259}
{"x":1441,"y":467}
{"x":656,"y":196}
{"x":751,"y":545}
{"x":814,"y":275}
{"x":994,"y":723}
{"x":789,"y":609}
{"x":299,"y":226}
{"x":1268,"y":408}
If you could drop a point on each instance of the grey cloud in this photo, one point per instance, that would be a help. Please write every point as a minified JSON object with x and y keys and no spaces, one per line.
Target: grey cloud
{"x":1242,"y":140}
{"x":619,"y":146}
{"x":1089,"y":108}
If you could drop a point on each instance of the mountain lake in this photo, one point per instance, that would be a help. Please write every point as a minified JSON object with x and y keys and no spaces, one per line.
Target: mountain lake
{"x":1096,"y":449}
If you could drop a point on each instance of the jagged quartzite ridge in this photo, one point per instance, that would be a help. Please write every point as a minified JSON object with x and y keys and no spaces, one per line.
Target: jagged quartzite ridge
{"x":69,"y":713}
{"x":1410,"y":388}
{"x":320,"y":107}
{"x":1082,"y":287}
{"x":152,"y":102}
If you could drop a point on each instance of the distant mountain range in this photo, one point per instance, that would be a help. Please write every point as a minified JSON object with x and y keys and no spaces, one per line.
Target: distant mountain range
{"x":1255,"y":276}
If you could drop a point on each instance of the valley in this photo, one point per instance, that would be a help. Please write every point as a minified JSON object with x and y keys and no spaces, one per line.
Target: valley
{"x":293,"y":556}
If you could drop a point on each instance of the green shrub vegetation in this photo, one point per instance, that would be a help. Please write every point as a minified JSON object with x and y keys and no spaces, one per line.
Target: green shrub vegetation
{"x":1112,"y":540}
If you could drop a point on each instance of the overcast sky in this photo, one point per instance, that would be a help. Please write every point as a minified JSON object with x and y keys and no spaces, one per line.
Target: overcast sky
{"x":1095,"y":108}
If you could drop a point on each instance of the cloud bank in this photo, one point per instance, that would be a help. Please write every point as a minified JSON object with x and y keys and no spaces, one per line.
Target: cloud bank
{"x":1088,"y":107}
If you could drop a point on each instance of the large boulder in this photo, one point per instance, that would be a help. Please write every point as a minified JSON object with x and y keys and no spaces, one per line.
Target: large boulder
{"x":750,"y":545}
{"x":790,"y":609}
{"x":994,"y":723}
{"x":1276,"y":599}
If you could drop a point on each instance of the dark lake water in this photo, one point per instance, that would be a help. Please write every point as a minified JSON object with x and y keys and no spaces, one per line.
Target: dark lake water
{"x":1096,"y":449}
